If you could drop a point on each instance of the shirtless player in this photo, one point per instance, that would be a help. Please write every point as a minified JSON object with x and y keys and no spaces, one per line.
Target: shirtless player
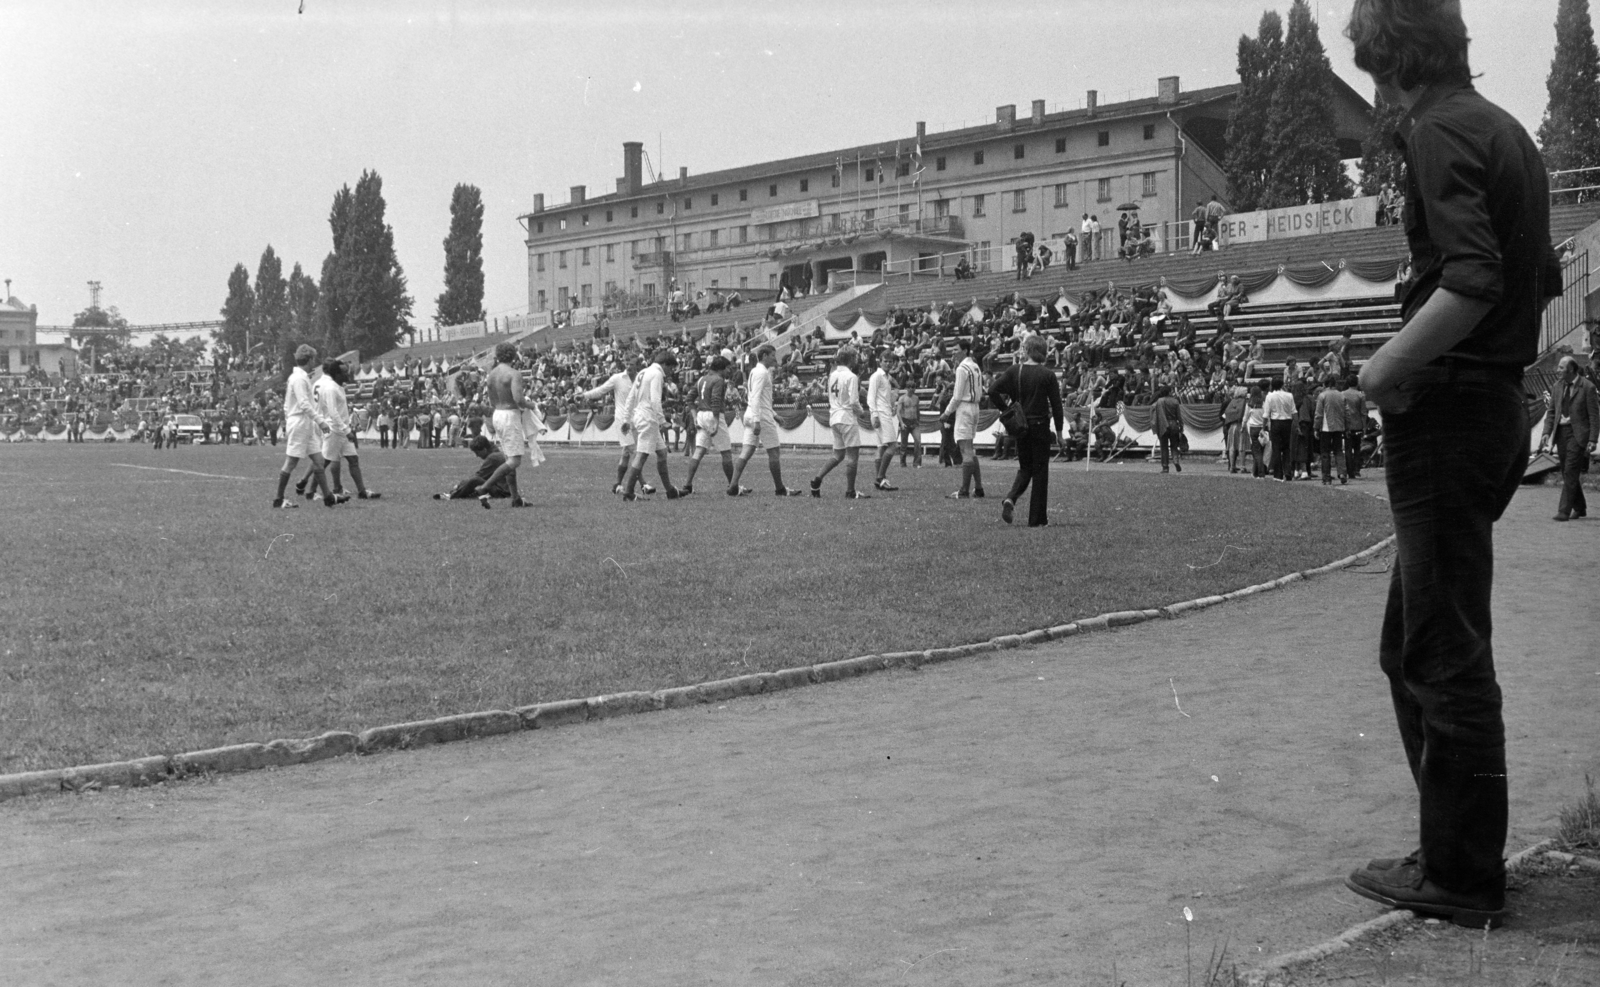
{"x":504,"y":387}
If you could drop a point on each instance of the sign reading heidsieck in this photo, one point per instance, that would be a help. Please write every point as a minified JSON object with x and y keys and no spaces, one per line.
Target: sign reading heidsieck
{"x":789,"y":210}
{"x":1309,"y":220}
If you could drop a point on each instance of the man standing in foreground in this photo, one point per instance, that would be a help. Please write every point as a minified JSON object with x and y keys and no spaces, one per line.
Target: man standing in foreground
{"x":303,"y":427}
{"x":1572,"y":432}
{"x":1456,"y":437}
{"x":761,"y":426}
{"x":504,"y":388}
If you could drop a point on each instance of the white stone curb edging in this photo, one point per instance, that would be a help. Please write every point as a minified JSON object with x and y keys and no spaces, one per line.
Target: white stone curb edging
{"x":542,"y":716}
{"x":1278,"y":969}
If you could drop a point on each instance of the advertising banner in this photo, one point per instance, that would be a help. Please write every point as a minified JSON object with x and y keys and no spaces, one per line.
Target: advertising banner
{"x":1280,"y":224}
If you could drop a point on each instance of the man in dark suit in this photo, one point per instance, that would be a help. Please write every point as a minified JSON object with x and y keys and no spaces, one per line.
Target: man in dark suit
{"x":1572,"y":432}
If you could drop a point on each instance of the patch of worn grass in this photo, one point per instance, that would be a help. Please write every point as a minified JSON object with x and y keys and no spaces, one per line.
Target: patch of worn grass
{"x":1580,"y":821}
{"x":153,"y":612}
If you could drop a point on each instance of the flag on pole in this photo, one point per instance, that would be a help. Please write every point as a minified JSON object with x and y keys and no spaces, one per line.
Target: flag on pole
{"x":916,"y":163}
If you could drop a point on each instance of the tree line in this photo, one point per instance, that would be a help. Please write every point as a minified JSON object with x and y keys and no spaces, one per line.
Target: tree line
{"x":359,"y":300}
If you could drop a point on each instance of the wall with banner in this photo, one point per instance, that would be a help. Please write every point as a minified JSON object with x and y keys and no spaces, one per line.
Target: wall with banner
{"x":1296,"y":221}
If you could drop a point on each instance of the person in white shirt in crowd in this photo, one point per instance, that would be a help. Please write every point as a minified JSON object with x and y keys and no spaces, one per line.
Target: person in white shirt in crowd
{"x":963,"y":412}
{"x":302,"y":421}
{"x":620,"y":386}
{"x":1279,"y":410}
{"x":649,"y":419}
{"x":885,"y":420}
{"x":761,"y":426}
{"x":844,"y":397}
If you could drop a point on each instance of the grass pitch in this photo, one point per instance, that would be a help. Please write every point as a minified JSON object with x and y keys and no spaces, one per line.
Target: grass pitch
{"x":153,"y":611}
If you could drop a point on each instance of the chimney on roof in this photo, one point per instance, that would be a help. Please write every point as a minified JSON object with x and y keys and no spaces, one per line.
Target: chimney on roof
{"x":922,"y":129}
{"x":1092,"y":101}
{"x":538,"y":202}
{"x":683,"y":173}
{"x":632,"y":167}
{"x":577,"y":195}
{"x":1005,"y":117}
{"x":1038,"y":112}
{"x":1167,"y":89}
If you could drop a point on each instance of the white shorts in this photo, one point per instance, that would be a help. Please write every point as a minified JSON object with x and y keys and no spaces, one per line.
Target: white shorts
{"x":712,"y":432}
{"x":336,"y":444}
{"x":888,"y":429}
{"x":508,"y":432}
{"x":966,"y":422}
{"x":300,"y":439}
{"x":649,"y":441}
{"x":847,"y":436}
{"x":763,"y":433}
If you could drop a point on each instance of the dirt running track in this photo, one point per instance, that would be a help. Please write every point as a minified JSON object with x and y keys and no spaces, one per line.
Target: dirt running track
{"x":1031,"y":816}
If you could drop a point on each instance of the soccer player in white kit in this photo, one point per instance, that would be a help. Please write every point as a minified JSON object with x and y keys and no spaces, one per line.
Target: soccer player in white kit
{"x":881,"y":402}
{"x":761,"y":426}
{"x":620,"y":385}
{"x":649,"y":420}
{"x":963,"y":411}
{"x":844,"y":397}
{"x":340,"y":442}
{"x":303,"y":424}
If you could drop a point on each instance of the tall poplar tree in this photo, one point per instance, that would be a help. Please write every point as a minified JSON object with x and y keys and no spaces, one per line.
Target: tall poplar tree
{"x":236,"y":311}
{"x":1302,"y":146}
{"x":462,"y":300}
{"x":1570,"y":133}
{"x":377,"y":308}
{"x":269,"y":317}
{"x":1381,"y":161}
{"x":332,"y":303}
{"x":1246,"y":162}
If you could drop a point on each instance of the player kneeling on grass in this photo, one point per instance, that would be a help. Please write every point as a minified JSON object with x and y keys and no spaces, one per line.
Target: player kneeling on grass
{"x":504,"y":387}
{"x":761,"y":426}
{"x":475,"y":485}
{"x":302,"y":421}
{"x":711,"y":432}
{"x":881,"y":402}
{"x":649,"y":424}
{"x":844,"y":397}
{"x":340,"y":442}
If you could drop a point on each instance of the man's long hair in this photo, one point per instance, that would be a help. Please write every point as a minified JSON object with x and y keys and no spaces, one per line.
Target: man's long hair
{"x":1410,"y":43}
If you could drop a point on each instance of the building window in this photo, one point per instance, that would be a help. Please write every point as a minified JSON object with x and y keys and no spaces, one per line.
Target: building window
{"x":902,"y":170}
{"x":834,"y":180}
{"x":611,"y":289}
{"x":563,"y":223}
{"x":661,"y":208}
{"x":649,"y":289}
{"x":941,"y":208}
{"x":608,"y":215}
{"x":744,"y":194}
{"x":1103,"y":190}
{"x":744,"y":234}
{"x":688,"y":204}
{"x":977,"y":157}
{"x":1103,"y":138}
{"x":984,"y":261}
{"x":538,"y":227}
{"x":1019,"y":151}
{"x":688,"y":243}
{"x":633,"y":212}
{"x":1149,"y":131}
{"x":1061,"y":145}
{"x":772,"y":191}
{"x":542,"y":301}
{"x":561,"y":260}
{"x":866,"y":174}
{"x":713,"y":198}
{"x":905,"y":212}
{"x":772,"y":280}
{"x":715,"y":237}
{"x":1061,"y":196}
{"x":611,"y":253}
{"x":805,"y":184}
{"x":744,"y":281}
{"x":633,"y":248}
{"x":869,"y":214}
{"x":538,"y":262}
{"x":1149,"y":184}
{"x":977,"y":207}
{"x":771,"y":231}
{"x":586,"y":219}
{"x":1019,"y":200}
{"x":587,"y":293}
{"x":584,"y":257}
{"x":563,"y":299}
{"x":938,"y":164}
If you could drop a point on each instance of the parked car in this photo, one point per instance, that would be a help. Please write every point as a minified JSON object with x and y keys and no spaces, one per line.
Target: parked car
{"x":189,"y":429}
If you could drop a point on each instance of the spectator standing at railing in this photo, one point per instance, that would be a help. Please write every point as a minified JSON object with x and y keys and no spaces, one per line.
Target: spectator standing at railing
{"x":1214,"y":216}
{"x":1086,"y":251}
{"x":1197,"y":224}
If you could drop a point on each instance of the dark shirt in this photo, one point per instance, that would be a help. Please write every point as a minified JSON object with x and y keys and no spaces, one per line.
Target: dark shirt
{"x":1037,"y":389}
{"x":1477,"y":219}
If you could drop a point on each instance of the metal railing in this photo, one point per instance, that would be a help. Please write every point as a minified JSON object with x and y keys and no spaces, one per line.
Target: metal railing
{"x":1569,"y":313}
{"x":1575,"y":185}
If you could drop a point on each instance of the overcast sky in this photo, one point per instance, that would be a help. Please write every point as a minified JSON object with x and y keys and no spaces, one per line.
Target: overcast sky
{"x":152,"y":145}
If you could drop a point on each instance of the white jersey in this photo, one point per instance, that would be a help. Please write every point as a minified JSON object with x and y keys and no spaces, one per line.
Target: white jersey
{"x":969,"y":383}
{"x":844,"y":394}
{"x":299,"y":404}
{"x":759,"y":404}
{"x":331,"y":402}
{"x":619,"y":385}
{"x":646,"y":397}
{"x":880,"y":395}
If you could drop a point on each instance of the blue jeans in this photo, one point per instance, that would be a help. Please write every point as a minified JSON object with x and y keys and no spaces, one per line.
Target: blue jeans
{"x":1455,"y":457}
